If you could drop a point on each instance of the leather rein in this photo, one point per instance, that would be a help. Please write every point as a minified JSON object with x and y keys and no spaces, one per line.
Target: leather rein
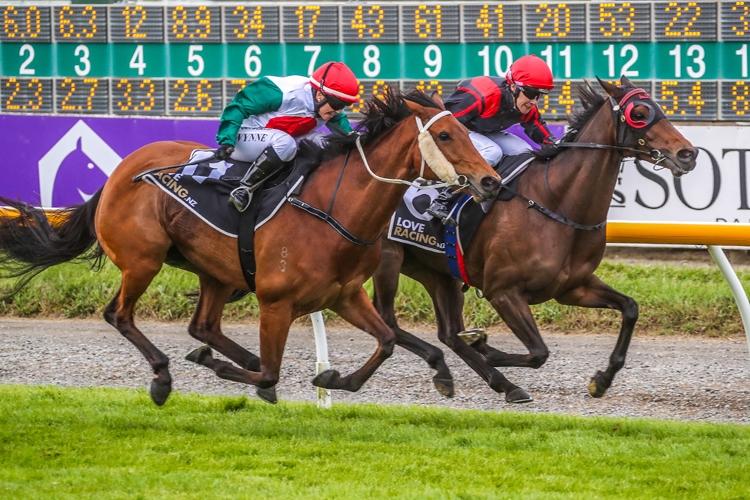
{"x":624,"y":124}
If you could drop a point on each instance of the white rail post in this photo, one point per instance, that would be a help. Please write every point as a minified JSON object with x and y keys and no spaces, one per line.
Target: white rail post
{"x":735,"y":285}
{"x":321,"y":347}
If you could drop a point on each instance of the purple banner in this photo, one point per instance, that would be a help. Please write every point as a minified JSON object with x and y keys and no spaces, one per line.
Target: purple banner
{"x":53,"y":161}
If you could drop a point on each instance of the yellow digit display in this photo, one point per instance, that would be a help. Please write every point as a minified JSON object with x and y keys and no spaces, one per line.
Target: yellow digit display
{"x":77,"y":24}
{"x":73,"y":102}
{"x":491,"y":20}
{"x":135,"y":16}
{"x":306,"y":28}
{"x":251,"y":23}
{"x":670,"y":99}
{"x":555,"y":21}
{"x":375,"y":29}
{"x":742,"y":10}
{"x":617,"y":19}
{"x":369,"y":89}
{"x":552,"y":106}
{"x":686,"y":16}
{"x":135,"y":96}
{"x":30,"y":26}
{"x":187,"y":24}
{"x":740,"y":98}
{"x":428,"y":21}
{"x":23,"y":95}
{"x":193,"y":96}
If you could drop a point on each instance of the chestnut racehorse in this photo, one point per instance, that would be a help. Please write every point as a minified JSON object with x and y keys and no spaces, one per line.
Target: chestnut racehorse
{"x":521,"y":257}
{"x":303,"y":264}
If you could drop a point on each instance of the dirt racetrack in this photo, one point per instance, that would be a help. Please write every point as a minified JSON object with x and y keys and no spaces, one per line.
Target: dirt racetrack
{"x":665,"y":377}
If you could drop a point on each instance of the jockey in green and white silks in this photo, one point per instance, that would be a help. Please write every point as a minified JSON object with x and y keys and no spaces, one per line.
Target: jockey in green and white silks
{"x":266,"y":119}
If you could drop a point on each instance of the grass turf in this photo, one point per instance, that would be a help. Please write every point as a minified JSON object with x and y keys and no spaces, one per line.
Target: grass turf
{"x":115,"y":444}
{"x":672,"y":299}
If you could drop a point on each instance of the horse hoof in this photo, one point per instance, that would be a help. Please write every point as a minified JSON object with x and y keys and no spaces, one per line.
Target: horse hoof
{"x":268,"y":395}
{"x":597,"y":387}
{"x":326,"y":378}
{"x":199,"y":355}
{"x":517,"y":396}
{"x":160,"y":392}
{"x":444,"y":386}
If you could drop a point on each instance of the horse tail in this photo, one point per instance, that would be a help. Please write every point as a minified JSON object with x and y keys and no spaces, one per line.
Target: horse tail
{"x":31,"y":242}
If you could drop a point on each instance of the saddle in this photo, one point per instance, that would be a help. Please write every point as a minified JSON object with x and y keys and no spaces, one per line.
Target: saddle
{"x":204,"y":189}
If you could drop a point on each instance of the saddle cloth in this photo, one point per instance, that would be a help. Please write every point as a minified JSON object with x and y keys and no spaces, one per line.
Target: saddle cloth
{"x":204,"y":189}
{"x":411,"y":225}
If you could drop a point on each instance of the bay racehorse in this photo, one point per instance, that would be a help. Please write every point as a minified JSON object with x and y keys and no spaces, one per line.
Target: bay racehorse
{"x":303,"y":264}
{"x":520,"y":256}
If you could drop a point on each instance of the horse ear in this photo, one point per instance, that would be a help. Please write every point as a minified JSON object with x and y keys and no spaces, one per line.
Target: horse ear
{"x":415,"y":108}
{"x":626,"y":82}
{"x":611,"y":89}
{"x":439,"y":100}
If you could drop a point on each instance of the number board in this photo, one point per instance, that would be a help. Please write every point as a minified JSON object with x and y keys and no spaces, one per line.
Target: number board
{"x":82,"y":95}
{"x":620,"y":22}
{"x":492,"y":23}
{"x":735,"y":21}
{"x":28,"y":95}
{"x":430,"y":23}
{"x":252,"y":24}
{"x":735,"y":100}
{"x":367,"y":89}
{"x":136,"y":24}
{"x":675,"y":21}
{"x":195,"y":97}
{"x":79,"y":23}
{"x":26,"y":24}
{"x":306,"y":23}
{"x":193,"y":23}
{"x":142,"y":96}
{"x":370,"y":23}
{"x":556,"y":22}
{"x":442,"y":87}
{"x":682,"y":100}
{"x":560,"y":101}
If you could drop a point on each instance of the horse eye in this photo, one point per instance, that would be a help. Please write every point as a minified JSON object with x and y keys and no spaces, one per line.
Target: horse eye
{"x":444,"y":136}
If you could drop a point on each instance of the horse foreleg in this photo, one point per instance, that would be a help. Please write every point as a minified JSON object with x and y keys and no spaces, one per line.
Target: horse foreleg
{"x":597,"y":294}
{"x":119,"y":313}
{"x":359,"y":311}
{"x":445,"y":297}
{"x":515,"y":311}
{"x":385,"y":284}
{"x":206,"y":327}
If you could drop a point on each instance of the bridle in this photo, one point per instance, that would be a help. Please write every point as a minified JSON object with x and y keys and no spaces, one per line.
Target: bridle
{"x":629,"y":133}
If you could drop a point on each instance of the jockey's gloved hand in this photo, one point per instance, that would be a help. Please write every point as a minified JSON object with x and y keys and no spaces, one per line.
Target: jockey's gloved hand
{"x":223,"y":152}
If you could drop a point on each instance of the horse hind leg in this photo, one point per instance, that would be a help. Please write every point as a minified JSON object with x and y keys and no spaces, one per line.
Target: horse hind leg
{"x":385,"y":284}
{"x":119,"y":313}
{"x":597,"y":294}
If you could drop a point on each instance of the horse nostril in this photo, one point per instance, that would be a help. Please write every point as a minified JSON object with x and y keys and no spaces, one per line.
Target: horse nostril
{"x":686,"y":154}
{"x":489,"y":182}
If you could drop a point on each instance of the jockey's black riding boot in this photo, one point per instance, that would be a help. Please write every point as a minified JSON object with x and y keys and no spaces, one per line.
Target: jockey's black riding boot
{"x":267,"y":163}
{"x":440,"y":208}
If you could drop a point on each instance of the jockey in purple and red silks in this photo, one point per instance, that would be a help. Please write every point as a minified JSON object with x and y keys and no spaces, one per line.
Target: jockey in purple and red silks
{"x":489,"y":105}
{"x":267,"y":118}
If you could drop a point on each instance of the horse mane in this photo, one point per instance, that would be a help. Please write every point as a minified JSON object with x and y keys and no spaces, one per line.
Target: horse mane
{"x":591,"y":102}
{"x":380,"y":116}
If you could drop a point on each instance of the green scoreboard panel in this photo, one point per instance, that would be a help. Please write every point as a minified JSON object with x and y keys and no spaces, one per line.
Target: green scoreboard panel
{"x":188,"y":59}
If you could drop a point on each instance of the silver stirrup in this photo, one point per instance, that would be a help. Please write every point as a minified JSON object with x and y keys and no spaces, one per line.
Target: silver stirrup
{"x":233,"y":198}
{"x":473,"y":335}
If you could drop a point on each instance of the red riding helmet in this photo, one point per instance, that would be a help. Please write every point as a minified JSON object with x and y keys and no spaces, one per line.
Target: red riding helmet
{"x":337,"y":82}
{"x":530,"y":71}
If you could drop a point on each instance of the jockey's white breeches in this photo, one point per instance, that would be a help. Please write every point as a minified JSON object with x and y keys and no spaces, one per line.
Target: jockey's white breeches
{"x":492,"y":147}
{"x":252,"y":141}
